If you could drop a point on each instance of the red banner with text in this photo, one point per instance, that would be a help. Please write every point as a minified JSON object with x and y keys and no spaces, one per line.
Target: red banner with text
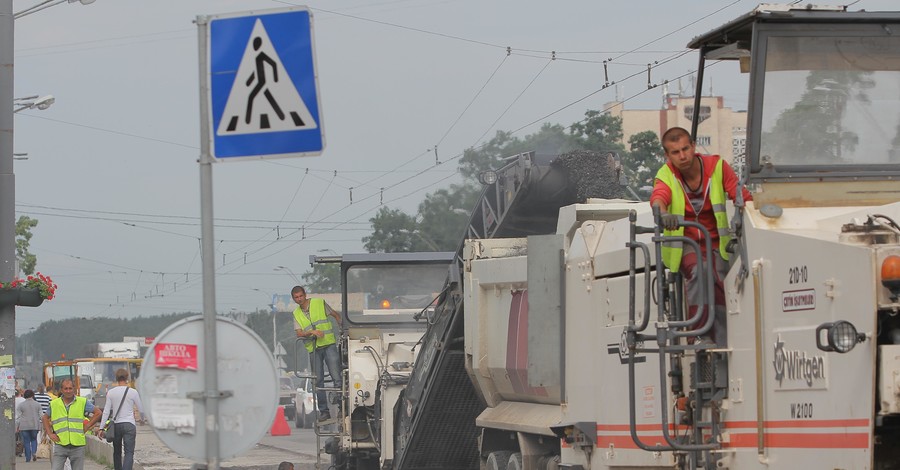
{"x":178,"y":356}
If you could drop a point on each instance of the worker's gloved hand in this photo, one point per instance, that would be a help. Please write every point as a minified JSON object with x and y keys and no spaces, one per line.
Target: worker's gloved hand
{"x":670,"y":221}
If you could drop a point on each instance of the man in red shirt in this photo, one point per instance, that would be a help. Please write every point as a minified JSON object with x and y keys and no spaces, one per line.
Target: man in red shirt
{"x":693,"y":187}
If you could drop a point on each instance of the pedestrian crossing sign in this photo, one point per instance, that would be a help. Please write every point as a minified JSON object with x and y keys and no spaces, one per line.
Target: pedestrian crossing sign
{"x":263,"y":87}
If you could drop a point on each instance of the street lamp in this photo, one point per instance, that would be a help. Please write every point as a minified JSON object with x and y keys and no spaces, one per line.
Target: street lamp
{"x":291,"y":273}
{"x":274,"y":323}
{"x":33,"y":102}
{"x":8,"y":198}
{"x":47,"y":4}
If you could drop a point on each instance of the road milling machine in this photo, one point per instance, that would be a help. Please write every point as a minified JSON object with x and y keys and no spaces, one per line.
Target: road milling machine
{"x":559,"y":341}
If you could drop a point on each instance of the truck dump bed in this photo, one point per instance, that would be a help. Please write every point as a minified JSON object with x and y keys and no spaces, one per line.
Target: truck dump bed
{"x":436,"y":415}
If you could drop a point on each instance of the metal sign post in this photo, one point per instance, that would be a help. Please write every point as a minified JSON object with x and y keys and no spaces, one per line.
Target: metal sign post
{"x":207,"y":244}
{"x":259,"y":98}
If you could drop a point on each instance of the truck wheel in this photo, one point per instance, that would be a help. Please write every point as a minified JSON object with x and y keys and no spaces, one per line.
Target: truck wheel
{"x":498,"y":460}
{"x":515,"y":462}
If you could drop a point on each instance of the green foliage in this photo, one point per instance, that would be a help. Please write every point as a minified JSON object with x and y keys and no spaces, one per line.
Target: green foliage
{"x":443,"y":216}
{"x":642,"y":162}
{"x":599,"y":131}
{"x":27,"y":261}
{"x":393,"y":231}
{"x":487,"y":157}
{"x":323,"y":278}
{"x":811,"y":130}
{"x":74,"y":337}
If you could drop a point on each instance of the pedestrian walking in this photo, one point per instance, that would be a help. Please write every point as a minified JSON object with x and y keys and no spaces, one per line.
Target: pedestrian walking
{"x":121,"y":401}
{"x":43,"y":399}
{"x":29,"y":413}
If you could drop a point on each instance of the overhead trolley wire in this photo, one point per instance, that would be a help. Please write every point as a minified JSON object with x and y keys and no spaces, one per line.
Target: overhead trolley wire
{"x":514,"y":101}
{"x":675,"y":31}
{"x":472,"y":101}
{"x":424,"y":153}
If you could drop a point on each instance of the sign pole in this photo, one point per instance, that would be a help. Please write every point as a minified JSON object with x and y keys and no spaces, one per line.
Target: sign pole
{"x":7,"y":228}
{"x":210,"y":352}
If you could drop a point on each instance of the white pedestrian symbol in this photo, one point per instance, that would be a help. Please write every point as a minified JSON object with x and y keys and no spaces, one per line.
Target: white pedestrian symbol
{"x":262,"y":87}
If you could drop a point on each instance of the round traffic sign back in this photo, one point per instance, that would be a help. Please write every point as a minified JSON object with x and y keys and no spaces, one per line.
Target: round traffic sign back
{"x":172,"y":386}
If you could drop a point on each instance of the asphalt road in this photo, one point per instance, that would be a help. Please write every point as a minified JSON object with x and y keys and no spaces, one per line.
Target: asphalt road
{"x":299,"y":448}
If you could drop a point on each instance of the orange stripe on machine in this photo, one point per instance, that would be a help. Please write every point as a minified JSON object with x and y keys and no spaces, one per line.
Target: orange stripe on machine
{"x":829,"y":434}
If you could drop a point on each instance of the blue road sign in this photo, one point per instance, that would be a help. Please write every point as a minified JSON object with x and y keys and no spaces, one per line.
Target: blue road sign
{"x":263,"y":87}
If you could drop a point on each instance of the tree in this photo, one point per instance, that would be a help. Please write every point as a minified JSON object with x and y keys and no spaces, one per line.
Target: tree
{"x":488,"y":157}
{"x":642,"y":162}
{"x":444,"y":215}
{"x":812,"y":130}
{"x":599,"y":131}
{"x":323,"y":278}
{"x":27,"y":261}
{"x":392,"y":231}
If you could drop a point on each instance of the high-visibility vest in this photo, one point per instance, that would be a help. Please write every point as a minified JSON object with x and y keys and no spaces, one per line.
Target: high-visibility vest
{"x":68,"y":425}
{"x":671,"y":252}
{"x":318,"y":320}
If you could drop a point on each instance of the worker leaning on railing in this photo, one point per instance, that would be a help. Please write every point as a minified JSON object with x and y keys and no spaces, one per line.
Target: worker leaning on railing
{"x":311,"y":321}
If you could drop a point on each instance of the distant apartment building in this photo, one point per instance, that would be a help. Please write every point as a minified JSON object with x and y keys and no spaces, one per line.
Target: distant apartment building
{"x":721,"y":131}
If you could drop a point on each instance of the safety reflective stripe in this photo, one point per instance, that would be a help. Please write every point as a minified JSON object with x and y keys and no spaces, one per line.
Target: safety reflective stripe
{"x":318,"y":319}
{"x":671,"y":252}
{"x":68,"y":424}
{"x":718,"y":197}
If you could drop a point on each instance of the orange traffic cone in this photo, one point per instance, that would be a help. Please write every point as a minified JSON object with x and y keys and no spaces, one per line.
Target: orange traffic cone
{"x":280,"y":426}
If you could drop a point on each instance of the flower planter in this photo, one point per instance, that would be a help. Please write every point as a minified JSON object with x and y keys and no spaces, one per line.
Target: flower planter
{"x":8,"y":297}
{"x":29,"y":297}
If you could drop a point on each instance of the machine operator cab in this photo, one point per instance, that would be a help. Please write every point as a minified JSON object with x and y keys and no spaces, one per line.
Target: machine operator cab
{"x":824,"y":112}
{"x":392,"y":291}
{"x":823,"y":130}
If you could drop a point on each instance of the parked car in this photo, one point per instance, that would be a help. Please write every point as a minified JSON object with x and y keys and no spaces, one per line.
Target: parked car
{"x":305,"y":404}
{"x":286,"y":397}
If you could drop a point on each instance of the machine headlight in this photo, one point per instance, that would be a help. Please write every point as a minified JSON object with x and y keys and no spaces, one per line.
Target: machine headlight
{"x":841,"y":336}
{"x":487,"y":177}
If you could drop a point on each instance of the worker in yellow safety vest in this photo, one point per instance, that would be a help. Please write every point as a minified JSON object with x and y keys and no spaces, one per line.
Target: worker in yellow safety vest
{"x":311,"y":322}
{"x":65,"y":425}
{"x":694,"y":187}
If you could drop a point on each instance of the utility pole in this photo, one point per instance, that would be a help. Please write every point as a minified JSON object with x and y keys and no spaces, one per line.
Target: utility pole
{"x":7,"y":232}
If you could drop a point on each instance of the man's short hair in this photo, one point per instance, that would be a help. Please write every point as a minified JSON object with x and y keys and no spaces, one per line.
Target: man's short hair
{"x":294,"y":291}
{"x":121,"y":375}
{"x":674,"y":134}
{"x":286,"y":465}
{"x":28,"y":393}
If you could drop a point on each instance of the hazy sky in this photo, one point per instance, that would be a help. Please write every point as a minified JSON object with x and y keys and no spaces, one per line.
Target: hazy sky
{"x":112,"y":176}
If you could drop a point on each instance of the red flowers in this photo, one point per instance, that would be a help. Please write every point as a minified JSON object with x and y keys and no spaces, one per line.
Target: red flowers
{"x":38,"y":281}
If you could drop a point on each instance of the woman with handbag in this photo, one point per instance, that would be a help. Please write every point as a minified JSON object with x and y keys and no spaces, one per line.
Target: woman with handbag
{"x":121,"y":402}
{"x":29,"y":413}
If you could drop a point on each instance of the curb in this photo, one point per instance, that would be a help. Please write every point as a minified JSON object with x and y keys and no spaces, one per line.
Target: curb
{"x":101,"y":452}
